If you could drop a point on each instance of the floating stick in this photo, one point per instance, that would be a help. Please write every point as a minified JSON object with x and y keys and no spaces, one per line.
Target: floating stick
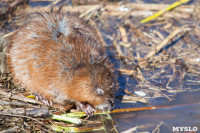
{"x":159,"y":13}
{"x":81,"y":114}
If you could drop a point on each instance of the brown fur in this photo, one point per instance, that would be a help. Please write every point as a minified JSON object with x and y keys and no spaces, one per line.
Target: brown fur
{"x":60,"y":57}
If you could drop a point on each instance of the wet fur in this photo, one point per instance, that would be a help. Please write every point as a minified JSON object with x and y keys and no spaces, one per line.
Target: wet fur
{"x":62,"y":58}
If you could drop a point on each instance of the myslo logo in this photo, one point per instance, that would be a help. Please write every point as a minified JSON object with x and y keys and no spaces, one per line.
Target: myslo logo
{"x":183,"y":129}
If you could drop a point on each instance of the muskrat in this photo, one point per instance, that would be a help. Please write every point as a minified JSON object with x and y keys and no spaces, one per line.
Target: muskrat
{"x":61,"y":58}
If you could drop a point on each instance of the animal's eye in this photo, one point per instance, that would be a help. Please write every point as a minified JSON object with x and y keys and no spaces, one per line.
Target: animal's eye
{"x":100,"y":91}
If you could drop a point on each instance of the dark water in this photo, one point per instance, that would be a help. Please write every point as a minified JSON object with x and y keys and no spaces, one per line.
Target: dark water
{"x":39,"y":3}
{"x":186,"y":115}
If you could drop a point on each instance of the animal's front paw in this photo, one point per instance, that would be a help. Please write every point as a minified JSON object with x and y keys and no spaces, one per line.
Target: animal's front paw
{"x":87,"y":108}
{"x":42,"y":99}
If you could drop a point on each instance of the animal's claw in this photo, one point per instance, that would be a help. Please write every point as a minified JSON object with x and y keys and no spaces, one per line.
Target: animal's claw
{"x":87,"y":108}
{"x":41,"y":98}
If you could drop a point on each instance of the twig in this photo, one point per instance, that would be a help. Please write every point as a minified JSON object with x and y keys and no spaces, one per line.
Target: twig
{"x":118,"y":49}
{"x":98,"y":32}
{"x":11,"y":130}
{"x":114,"y":126}
{"x":11,"y":8}
{"x":19,"y":97}
{"x":12,"y":115}
{"x":159,"y":13}
{"x":131,"y":130}
{"x":173,"y":76}
{"x":91,"y":11}
{"x":9,"y":34}
{"x":32,"y":112}
{"x":55,"y":2}
{"x":148,"y":108}
{"x":141,"y":77}
{"x":123,"y":34}
{"x":165,"y":42}
{"x":158,"y":34}
{"x":133,"y":99}
{"x":12,"y":103}
{"x":157,"y":127}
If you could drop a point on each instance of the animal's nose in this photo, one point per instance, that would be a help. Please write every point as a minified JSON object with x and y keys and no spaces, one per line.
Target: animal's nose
{"x":106,"y":107}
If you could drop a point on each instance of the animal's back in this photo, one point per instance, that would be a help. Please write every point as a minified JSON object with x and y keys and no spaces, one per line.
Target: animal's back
{"x":43,"y":53}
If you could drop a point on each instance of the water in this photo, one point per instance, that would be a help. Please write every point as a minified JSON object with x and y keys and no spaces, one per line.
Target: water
{"x":186,"y":115}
